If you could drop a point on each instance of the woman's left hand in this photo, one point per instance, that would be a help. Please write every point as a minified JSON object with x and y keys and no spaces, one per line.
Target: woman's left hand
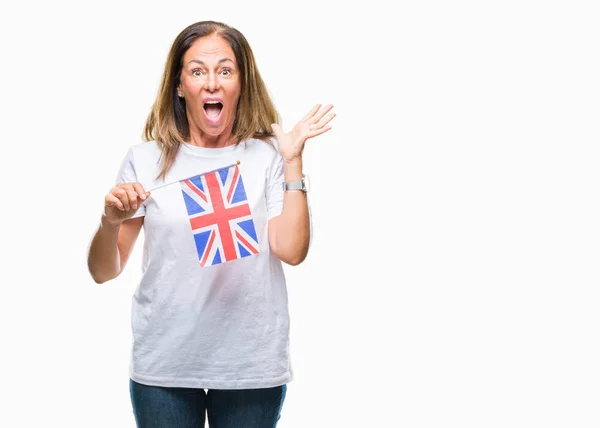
{"x":291,"y":144}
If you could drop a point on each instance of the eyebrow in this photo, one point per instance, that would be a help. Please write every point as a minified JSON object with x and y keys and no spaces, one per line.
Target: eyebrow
{"x":222,"y":60}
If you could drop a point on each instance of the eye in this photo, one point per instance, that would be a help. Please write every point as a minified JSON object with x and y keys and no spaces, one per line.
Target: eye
{"x":226,"y":72}
{"x":197,"y":72}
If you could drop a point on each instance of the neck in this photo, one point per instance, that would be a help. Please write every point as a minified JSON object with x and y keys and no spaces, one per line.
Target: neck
{"x":202,"y":139}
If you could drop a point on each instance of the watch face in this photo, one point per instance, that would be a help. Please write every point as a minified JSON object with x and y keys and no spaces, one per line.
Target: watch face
{"x":306,"y":181}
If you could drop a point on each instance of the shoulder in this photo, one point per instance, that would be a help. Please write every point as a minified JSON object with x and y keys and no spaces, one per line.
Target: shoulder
{"x":145,"y":156}
{"x":145,"y":150}
{"x":265,"y":157}
{"x":266,"y":149}
{"x":141,"y":163}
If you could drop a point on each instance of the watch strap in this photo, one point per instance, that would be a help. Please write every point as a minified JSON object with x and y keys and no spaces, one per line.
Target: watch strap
{"x":295,"y":185}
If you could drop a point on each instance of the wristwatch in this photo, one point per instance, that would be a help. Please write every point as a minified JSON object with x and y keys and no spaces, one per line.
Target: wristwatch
{"x":303,"y":184}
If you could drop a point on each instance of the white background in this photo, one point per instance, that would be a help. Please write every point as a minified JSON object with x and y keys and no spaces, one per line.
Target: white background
{"x":453,"y":278}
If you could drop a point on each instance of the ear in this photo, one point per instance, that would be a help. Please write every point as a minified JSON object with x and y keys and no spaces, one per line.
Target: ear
{"x":179,"y":91}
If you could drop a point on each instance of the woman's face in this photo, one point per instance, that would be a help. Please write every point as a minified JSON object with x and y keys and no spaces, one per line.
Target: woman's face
{"x":211,"y":85}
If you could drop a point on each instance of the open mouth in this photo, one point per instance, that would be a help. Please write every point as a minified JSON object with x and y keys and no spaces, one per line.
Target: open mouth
{"x":212,"y":110}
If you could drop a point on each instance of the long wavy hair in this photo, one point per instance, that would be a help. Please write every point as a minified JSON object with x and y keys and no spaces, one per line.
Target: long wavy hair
{"x":167,"y":122}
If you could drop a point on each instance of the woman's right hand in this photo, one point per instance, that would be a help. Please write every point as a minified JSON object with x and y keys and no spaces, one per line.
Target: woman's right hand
{"x":122,"y":201}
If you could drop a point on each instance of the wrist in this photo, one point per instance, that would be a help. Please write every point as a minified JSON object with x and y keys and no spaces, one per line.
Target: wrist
{"x":105,"y":222}
{"x":292,"y":170}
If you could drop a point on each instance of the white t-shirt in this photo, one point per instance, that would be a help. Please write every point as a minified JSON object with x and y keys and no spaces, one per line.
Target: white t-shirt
{"x":210,"y":310}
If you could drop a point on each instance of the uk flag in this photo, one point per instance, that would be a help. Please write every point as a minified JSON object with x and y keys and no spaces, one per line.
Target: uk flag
{"x":220,"y":216}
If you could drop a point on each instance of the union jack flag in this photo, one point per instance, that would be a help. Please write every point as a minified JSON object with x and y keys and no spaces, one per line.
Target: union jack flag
{"x":220,"y":216}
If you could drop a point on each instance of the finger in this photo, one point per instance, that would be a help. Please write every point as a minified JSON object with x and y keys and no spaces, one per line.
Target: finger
{"x":277,"y":131}
{"x":319,"y":132}
{"x":324,"y":121}
{"x":122,"y":195}
{"x":322,"y":113}
{"x":133,"y":198}
{"x":140,"y":191}
{"x":311,"y":113}
{"x":112,"y":201}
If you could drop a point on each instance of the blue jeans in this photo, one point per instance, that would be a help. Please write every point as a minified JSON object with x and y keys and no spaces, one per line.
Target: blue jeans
{"x":161,"y":407}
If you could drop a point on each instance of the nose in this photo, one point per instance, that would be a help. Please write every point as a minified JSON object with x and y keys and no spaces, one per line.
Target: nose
{"x":211,"y":83}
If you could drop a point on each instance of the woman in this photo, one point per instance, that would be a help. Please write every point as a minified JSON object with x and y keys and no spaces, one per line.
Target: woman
{"x":219,"y":190}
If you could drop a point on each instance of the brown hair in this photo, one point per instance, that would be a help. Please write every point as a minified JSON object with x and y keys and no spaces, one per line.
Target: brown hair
{"x":167,"y":122}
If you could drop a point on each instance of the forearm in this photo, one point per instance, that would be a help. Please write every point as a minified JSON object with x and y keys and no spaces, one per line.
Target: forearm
{"x":292,"y":235}
{"x":103,"y":258}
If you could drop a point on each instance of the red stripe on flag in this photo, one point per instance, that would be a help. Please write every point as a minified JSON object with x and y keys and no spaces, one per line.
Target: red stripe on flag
{"x":208,"y":247}
{"x":221,"y":215}
{"x":233,"y":184}
{"x":193,"y":187}
{"x":246,"y":243}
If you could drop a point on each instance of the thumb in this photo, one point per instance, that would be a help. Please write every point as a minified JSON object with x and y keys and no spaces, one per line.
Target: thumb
{"x":277,"y":130}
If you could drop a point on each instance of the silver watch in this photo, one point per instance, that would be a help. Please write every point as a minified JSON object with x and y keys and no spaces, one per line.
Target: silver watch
{"x":303,"y":184}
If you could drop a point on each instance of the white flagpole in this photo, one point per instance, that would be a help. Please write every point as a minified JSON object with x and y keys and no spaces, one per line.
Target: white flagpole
{"x":195,"y":175}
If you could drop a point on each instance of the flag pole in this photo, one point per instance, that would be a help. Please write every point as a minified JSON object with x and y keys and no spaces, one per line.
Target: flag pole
{"x":195,"y":175}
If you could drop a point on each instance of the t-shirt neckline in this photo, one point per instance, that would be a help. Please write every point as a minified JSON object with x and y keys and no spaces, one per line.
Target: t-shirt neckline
{"x":209,"y":152}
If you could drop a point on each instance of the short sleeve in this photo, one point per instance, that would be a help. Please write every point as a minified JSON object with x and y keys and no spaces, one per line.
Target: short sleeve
{"x":127,"y":174}
{"x":274,"y":187}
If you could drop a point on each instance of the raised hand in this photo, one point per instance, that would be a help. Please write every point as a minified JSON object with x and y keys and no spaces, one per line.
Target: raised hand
{"x":122,"y":201}
{"x":291,"y":144}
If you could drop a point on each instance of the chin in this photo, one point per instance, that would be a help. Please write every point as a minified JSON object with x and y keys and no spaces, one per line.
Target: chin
{"x":213,"y":131}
